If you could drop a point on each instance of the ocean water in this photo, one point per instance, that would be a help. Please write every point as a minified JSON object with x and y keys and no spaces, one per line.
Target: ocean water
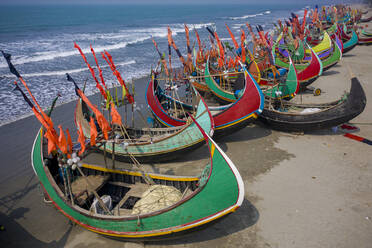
{"x":41,"y":41}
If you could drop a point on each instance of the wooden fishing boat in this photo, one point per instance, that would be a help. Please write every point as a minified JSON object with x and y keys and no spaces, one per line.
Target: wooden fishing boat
{"x":132,"y":205}
{"x":366,"y":33}
{"x":152,"y":144}
{"x":307,"y":72}
{"x":253,"y":69}
{"x":227,"y":118}
{"x":337,"y":39}
{"x":292,"y":117}
{"x":366,"y":19}
{"x":281,"y":87}
{"x":333,"y":58}
{"x":197,"y":80}
{"x":324,"y":44}
{"x":349,"y":41}
{"x":223,"y":91}
{"x":364,"y":38}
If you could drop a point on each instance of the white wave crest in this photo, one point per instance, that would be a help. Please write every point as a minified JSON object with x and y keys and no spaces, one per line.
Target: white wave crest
{"x":117,"y":40}
{"x":50,"y":55}
{"x":250,"y":16}
{"x":238,"y":25}
{"x":63,"y":72}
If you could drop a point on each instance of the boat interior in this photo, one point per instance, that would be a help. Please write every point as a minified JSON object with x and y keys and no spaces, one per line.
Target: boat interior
{"x":122,"y":192}
{"x":296,"y":108}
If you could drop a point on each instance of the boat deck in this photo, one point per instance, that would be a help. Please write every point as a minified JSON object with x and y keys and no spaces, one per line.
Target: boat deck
{"x":181,"y":167}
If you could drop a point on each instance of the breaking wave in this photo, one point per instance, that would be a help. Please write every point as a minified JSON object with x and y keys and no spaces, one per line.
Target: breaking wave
{"x":250,"y":16}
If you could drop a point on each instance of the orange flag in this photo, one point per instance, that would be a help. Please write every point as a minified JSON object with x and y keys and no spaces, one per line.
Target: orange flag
{"x":232,"y":37}
{"x":255,"y":40}
{"x":189,"y":59}
{"x":110,"y":62}
{"x":304,"y":22}
{"x":45,"y":117}
{"x":81,"y":139}
{"x":69,"y":142}
{"x":62,"y":143}
{"x":51,"y":141}
{"x":50,"y":134}
{"x":222,"y":52}
{"x":171,"y":42}
{"x":91,"y":71}
{"x":93,"y":132}
{"x":242,"y":38}
{"x":99,"y":68}
{"x":103,"y":123}
{"x":198,"y":38}
{"x":161,"y":57}
{"x":116,"y":118}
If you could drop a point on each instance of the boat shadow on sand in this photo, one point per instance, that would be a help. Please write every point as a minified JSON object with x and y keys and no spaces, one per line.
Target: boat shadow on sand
{"x":14,"y":235}
{"x":348,"y":55}
{"x":250,"y":132}
{"x":330,"y":72}
{"x":247,"y":215}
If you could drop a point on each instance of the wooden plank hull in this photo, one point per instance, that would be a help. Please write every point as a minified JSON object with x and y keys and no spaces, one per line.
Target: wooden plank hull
{"x":340,"y":112}
{"x":350,"y":41}
{"x":229,"y":118}
{"x":169,"y":146}
{"x":334,"y":57}
{"x":222,"y":95}
{"x":306,"y":73}
{"x":362,"y":40}
{"x":285,"y":90}
{"x":221,"y":192}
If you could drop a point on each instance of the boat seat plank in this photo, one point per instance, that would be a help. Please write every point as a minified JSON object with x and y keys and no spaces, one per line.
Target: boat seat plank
{"x":80,"y":189}
{"x":136,"y":190}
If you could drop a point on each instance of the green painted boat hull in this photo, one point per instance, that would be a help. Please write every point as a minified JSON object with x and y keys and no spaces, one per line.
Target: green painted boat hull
{"x":187,"y":138}
{"x":287,"y":90}
{"x":333,"y":58}
{"x":352,"y":42}
{"x":221,"y":94}
{"x":221,"y":193}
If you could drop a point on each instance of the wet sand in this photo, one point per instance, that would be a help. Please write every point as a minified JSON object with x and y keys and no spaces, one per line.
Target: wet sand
{"x":311,"y":190}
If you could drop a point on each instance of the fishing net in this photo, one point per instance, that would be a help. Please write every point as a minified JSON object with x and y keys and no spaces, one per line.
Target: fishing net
{"x":155,"y":198}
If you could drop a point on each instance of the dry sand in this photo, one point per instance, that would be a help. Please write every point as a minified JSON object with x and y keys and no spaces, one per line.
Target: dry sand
{"x":312,"y":190}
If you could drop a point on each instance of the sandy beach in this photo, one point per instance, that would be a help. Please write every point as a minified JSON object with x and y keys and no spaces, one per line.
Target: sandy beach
{"x":302,"y":190}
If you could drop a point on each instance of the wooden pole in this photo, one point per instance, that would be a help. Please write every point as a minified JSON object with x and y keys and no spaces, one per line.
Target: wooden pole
{"x":104,"y":153}
{"x":137,"y":164}
{"x":113,"y":154}
{"x":69,"y":186}
{"x":64,"y":179}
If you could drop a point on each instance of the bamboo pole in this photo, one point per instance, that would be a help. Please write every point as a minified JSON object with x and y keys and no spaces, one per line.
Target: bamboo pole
{"x":69,"y":186}
{"x":64,"y":179}
{"x":113,"y":154}
{"x":135,"y":162}
{"x":104,"y":153}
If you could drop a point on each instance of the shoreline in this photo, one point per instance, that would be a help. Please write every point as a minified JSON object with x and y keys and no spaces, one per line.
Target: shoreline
{"x":94,"y":94}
